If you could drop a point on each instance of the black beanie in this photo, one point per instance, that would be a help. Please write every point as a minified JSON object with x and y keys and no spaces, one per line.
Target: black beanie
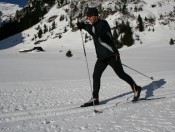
{"x":92,"y":11}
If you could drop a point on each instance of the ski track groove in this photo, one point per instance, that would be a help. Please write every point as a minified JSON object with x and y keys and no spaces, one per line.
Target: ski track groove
{"x":44,"y":113}
{"x":55,"y":111}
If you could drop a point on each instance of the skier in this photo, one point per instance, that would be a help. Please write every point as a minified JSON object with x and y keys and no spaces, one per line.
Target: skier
{"x":107,"y":54}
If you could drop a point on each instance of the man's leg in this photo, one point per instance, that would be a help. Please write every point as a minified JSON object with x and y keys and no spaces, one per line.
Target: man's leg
{"x":99,"y":67}
{"x":118,"y":68}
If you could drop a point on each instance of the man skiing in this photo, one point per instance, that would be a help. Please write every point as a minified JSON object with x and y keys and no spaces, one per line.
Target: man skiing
{"x":107,"y":54}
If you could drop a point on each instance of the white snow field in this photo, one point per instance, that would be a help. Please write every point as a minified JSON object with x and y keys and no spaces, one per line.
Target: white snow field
{"x":41,"y":91}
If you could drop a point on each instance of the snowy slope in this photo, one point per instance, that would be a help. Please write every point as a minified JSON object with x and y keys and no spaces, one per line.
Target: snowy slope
{"x":51,"y":41}
{"x":40,"y":91}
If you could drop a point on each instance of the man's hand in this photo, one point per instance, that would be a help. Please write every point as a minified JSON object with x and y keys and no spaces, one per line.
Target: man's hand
{"x":80,"y":25}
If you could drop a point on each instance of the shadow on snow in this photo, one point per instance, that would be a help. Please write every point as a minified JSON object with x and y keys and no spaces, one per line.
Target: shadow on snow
{"x":11,"y":41}
{"x":150,"y":88}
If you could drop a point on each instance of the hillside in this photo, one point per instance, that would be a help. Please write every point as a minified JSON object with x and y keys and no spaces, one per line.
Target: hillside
{"x":160,"y":23}
{"x":7,"y":10}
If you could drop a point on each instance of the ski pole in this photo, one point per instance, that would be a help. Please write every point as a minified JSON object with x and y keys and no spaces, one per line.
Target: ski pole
{"x":138,"y":72}
{"x":90,"y":83}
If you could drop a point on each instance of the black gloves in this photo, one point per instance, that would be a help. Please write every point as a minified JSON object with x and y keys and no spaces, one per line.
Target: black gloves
{"x":80,"y":25}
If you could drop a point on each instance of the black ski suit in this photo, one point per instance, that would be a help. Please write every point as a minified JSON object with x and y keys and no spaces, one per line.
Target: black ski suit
{"x":107,"y":54}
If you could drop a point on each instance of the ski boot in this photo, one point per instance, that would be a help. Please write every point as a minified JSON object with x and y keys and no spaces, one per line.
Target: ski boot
{"x":91,"y":102}
{"x":137,"y":91}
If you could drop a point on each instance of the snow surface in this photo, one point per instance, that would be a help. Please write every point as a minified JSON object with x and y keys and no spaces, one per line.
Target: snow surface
{"x":39,"y":91}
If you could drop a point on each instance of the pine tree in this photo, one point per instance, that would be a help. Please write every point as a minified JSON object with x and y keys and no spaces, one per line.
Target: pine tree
{"x":65,"y":29}
{"x":40,"y":33}
{"x":146,"y":19}
{"x":53,"y":25}
{"x":60,"y":36}
{"x":70,"y":23}
{"x":124,"y":10}
{"x":128,"y":37}
{"x":45,"y":28}
{"x":140,"y":24}
{"x":69,"y":53}
{"x":61,"y":17}
{"x":171,"y":42}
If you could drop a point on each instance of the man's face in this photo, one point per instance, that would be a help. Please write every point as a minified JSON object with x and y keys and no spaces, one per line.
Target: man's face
{"x":92,"y":19}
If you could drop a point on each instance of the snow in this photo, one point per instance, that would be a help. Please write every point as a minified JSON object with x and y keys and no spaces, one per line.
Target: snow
{"x":40,"y":91}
